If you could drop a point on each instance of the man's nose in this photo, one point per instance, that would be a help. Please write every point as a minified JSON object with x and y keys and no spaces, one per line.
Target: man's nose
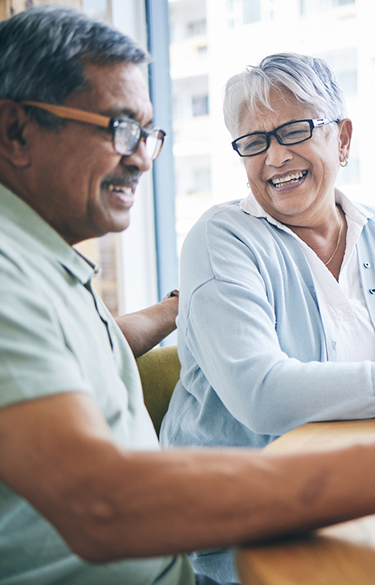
{"x":140,"y":158}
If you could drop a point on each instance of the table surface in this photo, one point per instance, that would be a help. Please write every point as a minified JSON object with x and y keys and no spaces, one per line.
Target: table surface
{"x":343,"y":554}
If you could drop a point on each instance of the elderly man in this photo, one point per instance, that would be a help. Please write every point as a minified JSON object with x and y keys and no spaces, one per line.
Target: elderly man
{"x":82,"y":478}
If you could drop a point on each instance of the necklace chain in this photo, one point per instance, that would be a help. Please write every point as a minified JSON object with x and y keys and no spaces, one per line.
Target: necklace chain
{"x":338,"y":239}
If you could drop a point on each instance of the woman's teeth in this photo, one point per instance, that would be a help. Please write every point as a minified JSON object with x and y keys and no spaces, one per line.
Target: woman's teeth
{"x":288,"y":179}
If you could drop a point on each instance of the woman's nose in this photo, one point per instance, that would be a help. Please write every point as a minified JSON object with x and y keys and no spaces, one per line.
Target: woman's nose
{"x":277,"y":154}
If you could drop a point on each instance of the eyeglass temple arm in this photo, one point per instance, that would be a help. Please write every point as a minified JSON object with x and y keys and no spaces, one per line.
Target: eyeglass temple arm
{"x":323,"y":121}
{"x":71,"y":113}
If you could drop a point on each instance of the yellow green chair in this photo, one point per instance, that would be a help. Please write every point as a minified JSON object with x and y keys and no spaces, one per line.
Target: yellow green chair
{"x":159,"y":369}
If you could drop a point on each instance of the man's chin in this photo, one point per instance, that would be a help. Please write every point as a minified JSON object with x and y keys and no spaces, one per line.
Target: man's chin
{"x":118,"y":223}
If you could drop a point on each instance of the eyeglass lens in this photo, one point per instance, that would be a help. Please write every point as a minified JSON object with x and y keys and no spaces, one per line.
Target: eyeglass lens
{"x":128,"y":134}
{"x":256,"y":143}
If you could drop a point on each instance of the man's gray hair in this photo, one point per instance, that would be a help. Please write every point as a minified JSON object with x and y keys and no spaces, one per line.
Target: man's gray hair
{"x":43,"y":52}
{"x":310,"y":80}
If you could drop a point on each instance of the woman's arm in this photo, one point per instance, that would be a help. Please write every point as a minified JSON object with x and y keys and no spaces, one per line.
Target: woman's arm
{"x":250,"y":320}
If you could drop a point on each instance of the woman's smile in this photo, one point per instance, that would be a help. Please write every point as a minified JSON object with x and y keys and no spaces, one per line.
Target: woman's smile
{"x":289,"y":180}
{"x":292,"y":182}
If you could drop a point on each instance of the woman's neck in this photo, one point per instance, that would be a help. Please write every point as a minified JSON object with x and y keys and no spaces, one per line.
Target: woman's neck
{"x":328,"y":239}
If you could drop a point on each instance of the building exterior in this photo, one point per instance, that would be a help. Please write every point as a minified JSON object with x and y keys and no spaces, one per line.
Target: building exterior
{"x":213,"y":39}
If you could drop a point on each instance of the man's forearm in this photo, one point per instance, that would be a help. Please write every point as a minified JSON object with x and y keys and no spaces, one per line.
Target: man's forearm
{"x":183,"y":501}
{"x":146,"y":328}
{"x":110,"y":503}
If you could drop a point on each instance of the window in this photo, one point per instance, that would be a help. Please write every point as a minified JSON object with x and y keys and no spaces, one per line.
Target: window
{"x":202,"y":50}
{"x":242,"y":12}
{"x":202,"y":180}
{"x":344,"y":64}
{"x":348,"y":81}
{"x":98,"y":9}
{"x":252,"y":11}
{"x":199,"y":105}
{"x":204,"y":142}
{"x":311,"y":6}
{"x":196,"y":28}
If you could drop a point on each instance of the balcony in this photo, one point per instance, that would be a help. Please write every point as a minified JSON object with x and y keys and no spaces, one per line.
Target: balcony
{"x":192,"y":136}
{"x":189,"y":58}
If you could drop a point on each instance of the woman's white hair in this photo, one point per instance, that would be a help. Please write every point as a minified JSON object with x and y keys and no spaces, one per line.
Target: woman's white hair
{"x":310,"y":80}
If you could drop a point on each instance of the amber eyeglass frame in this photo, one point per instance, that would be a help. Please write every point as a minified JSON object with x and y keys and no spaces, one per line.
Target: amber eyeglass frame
{"x":113,"y":124}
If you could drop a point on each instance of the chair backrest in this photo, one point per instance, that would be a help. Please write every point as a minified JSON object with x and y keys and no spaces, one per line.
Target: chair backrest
{"x":159,"y":369}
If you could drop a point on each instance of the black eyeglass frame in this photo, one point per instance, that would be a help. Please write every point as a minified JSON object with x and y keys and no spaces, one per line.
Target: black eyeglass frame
{"x":112,"y":124}
{"x":314,"y":123}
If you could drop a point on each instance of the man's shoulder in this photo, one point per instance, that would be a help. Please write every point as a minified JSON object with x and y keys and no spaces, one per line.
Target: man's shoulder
{"x":12,"y":261}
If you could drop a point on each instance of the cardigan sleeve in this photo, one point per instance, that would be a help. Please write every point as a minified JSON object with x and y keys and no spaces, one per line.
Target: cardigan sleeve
{"x":250,"y":323}
{"x":233,"y":339}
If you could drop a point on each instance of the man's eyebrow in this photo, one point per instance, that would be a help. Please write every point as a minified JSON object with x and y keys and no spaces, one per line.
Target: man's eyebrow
{"x":131,"y":115}
{"x":127,"y":113}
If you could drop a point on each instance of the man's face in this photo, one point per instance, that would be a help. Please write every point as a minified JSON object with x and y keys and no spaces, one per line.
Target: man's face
{"x":79,"y":183}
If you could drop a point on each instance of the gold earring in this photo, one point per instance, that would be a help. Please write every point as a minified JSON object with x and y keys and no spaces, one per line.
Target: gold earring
{"x":344,"y":162}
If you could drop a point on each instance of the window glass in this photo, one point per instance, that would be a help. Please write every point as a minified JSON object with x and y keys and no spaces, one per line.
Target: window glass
{"x":311,"y":6}
{"x":195,"y":28}
{"x":241,"y":32}
{"x":344,"y":64}
{"x":200,"y":105}
{"x":252,"y":11}
{"x":96,"y":9}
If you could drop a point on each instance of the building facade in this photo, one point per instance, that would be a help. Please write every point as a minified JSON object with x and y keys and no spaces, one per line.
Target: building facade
{"x":214,"y":39}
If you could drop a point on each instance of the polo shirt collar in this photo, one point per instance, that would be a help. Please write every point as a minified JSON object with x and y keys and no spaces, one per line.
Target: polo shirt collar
{"x":22,"y":223}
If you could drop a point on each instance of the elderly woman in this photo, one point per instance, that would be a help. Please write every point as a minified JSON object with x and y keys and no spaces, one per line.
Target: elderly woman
{"x":277,"y":301}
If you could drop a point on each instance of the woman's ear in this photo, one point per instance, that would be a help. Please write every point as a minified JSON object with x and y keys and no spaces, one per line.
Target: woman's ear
{"x":15,"y":133}
{"x":345,"y":138}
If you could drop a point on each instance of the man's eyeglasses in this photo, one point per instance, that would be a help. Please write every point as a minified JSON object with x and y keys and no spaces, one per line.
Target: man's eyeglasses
{"x":290,"y":133}
{"x":127,"y":134}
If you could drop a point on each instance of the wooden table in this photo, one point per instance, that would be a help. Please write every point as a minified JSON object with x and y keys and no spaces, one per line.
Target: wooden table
{"x":343,"y":554}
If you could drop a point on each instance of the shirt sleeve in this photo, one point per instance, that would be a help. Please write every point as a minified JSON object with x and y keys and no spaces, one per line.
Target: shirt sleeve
{"x":34,"y":358}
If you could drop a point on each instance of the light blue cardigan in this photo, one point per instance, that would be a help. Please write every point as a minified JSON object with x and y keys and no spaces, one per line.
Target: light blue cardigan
{"x":256,"y":361}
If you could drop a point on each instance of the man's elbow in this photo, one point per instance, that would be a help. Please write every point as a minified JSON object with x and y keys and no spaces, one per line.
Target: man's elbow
{"x":94,"y":551}
{"x":93,"y":527}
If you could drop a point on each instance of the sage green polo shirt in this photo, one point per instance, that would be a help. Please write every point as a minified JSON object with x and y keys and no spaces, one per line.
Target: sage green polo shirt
{"x":57,"y":336}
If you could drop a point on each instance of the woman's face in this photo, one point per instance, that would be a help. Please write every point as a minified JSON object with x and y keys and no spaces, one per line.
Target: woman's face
{"x":308,"y":170}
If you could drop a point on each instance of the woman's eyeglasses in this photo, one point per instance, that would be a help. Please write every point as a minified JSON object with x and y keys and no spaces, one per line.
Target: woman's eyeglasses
{"x":290,"y":133}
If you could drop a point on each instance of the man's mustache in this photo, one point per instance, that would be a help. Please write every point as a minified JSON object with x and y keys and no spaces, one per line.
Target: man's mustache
{"x":121,"y":181}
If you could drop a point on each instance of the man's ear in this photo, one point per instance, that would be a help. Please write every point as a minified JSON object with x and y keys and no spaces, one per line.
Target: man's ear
{"x":15,"y":133}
